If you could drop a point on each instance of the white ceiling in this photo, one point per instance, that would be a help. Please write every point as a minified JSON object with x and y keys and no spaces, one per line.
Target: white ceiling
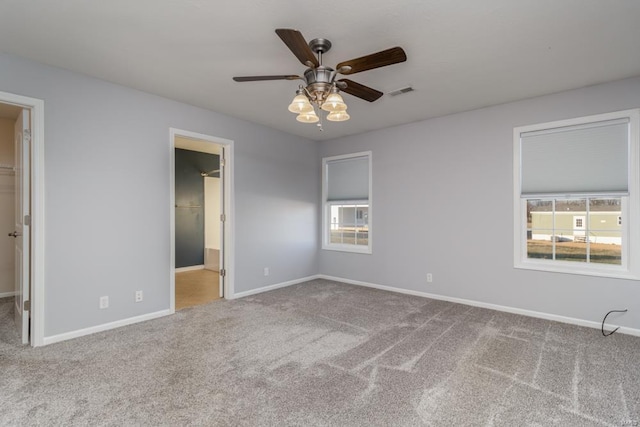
{"x":462,"y":54}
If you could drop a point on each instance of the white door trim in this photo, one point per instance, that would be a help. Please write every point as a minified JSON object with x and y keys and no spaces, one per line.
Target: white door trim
{"x":37,"y":211}
{"x":229,"y":210}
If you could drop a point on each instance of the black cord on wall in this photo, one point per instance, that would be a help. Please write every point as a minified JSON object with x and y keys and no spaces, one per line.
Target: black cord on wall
{"x":605,"y":319}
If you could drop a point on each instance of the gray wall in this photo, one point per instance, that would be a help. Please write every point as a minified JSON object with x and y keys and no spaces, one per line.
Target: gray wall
{"x":443,"y":204}
{"x":107,"y":150}
{"x":189,"y":189}
{"x":107,"y":195}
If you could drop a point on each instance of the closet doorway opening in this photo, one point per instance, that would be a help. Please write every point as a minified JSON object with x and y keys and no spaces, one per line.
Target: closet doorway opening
{"x":21,"y":207}
{"x":201,"y":218}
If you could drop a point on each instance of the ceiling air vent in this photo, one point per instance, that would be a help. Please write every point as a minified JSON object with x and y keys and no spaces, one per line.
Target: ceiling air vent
{"x":400,"y":91}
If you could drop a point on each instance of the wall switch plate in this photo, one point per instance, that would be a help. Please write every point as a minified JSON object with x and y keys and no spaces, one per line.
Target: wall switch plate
{"x":104,"y":302}
{"x":429,"y":278}
{"x":266,"y":271}
{"x":139,"y":296}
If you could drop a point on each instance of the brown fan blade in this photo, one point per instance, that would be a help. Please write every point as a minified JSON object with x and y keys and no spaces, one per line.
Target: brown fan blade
{"x":260,"y":78}
{"x":298,"y":45}
{"x":375,"y":60}
{"x":361,"y":91}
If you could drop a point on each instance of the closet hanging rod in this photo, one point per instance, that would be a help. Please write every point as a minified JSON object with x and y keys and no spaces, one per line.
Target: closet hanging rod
{"x":206,"y":174}
{"x":188,"y":206}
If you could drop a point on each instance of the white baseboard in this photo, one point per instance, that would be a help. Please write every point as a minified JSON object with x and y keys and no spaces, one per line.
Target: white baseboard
{"x":272,"y":287}
{"x":105,"y":327}
{"x":7,"y":294}
{"x":547,"y":316}
{"x":530,"y":313}
{"x":189,"y":268}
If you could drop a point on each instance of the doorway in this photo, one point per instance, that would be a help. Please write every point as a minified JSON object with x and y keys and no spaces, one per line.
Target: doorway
{"x":579,"y":225}
{"x":9,"y":115}
{"x":21,"y":207}
{"x":201,"y":216}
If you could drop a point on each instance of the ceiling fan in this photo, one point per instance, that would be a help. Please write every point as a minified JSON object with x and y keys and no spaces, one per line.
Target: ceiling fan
{"x":322,"y":89}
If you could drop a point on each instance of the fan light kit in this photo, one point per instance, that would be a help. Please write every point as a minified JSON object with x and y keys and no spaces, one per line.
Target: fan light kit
{"x":322,"y":91}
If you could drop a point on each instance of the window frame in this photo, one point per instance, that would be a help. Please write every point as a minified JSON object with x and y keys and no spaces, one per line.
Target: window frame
{"x":630,"y":205}
{"x":326,"y":207}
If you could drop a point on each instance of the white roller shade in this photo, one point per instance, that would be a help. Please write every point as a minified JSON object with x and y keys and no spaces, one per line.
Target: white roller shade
{"x":576,"y":159}
{"x":348,"y":179}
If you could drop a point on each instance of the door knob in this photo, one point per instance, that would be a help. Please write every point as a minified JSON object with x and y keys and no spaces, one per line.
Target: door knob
{"x":15,"y":234}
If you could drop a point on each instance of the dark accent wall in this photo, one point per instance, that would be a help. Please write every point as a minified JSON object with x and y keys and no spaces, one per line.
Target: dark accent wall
{"x":189,"y":187}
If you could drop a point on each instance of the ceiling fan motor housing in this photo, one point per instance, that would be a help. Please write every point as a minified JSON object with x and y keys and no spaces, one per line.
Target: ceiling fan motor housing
{"x":319,"y":81}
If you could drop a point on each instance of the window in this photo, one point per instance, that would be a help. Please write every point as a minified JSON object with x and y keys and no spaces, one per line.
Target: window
{"x":574,"y":182}
{"x":346,"y":195}
{"x":582,"y":229}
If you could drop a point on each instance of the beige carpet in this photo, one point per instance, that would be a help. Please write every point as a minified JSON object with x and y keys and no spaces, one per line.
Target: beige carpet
{"x":196,"y":287}
{"x":325,"y":354}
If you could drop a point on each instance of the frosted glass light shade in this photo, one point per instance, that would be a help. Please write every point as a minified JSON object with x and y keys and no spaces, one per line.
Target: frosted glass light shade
{"x":338,"y":116}
{"x":334,"y":103}
{"x":308,"y":117}
{"x":300,"y":105}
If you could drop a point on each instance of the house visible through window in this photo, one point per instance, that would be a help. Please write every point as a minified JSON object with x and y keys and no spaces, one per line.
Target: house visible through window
{"x":575,"y":229}
{"x":349,"y":224}
{"x":574,"y":184}
{"x":346,"y":192}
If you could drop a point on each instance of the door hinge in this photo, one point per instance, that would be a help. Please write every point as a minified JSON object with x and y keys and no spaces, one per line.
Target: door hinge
{"x":27,"y":220}
{"x":223,"y":162}
{"x":27,"y":305}
{"x":223,"y":217}
{"x":223,"y":272}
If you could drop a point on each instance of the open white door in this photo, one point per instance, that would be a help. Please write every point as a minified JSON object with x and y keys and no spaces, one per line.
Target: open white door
{"x":22,"y":222}
{"x":212,"y":226}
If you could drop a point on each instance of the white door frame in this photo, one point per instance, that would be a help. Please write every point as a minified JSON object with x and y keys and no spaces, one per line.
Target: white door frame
{"x":229,"y":239}
{"x":36,"y":253}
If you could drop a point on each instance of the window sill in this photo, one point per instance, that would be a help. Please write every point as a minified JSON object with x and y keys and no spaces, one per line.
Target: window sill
{"x":348,"y":248}
{"x":581,"y":270}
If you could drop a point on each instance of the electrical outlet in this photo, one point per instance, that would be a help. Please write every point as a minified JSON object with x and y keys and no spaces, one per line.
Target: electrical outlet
{"x":429,"y":278}
{"x":266,"y":271}
{"x":104,"y":302}
{"x":139,"y":296}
